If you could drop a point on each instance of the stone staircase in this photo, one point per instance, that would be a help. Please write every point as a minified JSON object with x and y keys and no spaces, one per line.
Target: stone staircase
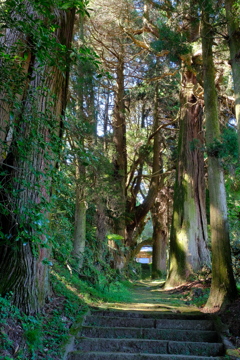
{"x":124,"y":335}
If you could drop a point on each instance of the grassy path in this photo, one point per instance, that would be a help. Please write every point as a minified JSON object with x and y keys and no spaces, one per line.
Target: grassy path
{"x":149,"y":296}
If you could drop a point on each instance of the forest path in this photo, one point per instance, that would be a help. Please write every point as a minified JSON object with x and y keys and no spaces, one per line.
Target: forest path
{"x":148,"y":295}
{"x":155,"y":325}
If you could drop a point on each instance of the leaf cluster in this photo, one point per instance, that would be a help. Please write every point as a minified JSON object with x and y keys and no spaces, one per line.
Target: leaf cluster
{"x":226,"y":146}
{"x":172,"y":40}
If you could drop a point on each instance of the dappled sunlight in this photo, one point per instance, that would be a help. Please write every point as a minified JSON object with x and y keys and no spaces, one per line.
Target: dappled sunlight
{"x":150,"y":297}
{"x":146,"y":295}
{"x":83,"y":297}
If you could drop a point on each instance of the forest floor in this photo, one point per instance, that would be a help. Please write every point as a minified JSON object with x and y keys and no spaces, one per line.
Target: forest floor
{"x":41,"y":337}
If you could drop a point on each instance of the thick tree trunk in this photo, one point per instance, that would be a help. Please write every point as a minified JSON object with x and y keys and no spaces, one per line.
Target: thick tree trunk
{"x":223,"y":288}
{"x":26,"y":183}
{"x":101,"y":223}
{"x":160,"y":234}
{"x":119,"y":139}
{"x":188,"y":238}
{"x":79,"y":235}
{"x":233,"y":24}
{"x":120,"y":164}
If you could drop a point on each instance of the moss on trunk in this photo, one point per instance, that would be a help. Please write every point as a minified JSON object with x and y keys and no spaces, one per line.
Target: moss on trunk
{"x":233,"y":24}
{"x":188,"y":238}
{"x":223,"y":287}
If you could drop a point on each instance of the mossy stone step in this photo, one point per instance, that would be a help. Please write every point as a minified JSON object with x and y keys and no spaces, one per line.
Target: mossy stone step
{"x":79,"y":355}
{"x":150,"y":346}
{"x":94,"y":320}
{"x":154,"y":334}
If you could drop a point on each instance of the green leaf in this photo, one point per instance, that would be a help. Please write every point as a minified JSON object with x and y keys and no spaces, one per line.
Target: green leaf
{"x":114,"y":237}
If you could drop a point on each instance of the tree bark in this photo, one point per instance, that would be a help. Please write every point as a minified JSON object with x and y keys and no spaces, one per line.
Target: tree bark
{"x":26,"y":183}
{"x":223,"y":287}
{"x":233,"y":24}
{"x":119,"y":139}
{"x":188,"y":238}
{"x":79,"y":235}
{"x":120,"y":163}
{"x":160,"y":234}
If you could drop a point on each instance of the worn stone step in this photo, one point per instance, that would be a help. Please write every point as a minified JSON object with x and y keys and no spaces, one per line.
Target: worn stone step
{"x":150,"y":314}
{"x":79,"y":355}
{"x":93,"y":320}
{"x":103,"y":321}
{"x":153,"y":334}
{"x":184,"y":324}
{"x":150,"y":346}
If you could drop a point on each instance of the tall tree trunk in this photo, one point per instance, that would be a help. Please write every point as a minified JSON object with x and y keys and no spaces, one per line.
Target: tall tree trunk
{"x":79,"y":235}
{"x":119,"y":139}
{"x":120,"y":163}
{"x":26,"y":183}
{"x":233,"y":24}
{"x":101,"y":224}
{"x":223,"y":288}
{"x":77,"y":142}
{"x":106,"y":118}
{"x":188,"y":238}
{"x":160,"y":233}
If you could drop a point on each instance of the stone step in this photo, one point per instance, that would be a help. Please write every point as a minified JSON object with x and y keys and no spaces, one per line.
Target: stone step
{"x":115,"y":335}
{"x":80,"y":355}
{"x":153,"y":334}
{"x":150,"y":314}
{"x":149,"y":346}
{"x":94,"y":320}
{"x":184,"y":324}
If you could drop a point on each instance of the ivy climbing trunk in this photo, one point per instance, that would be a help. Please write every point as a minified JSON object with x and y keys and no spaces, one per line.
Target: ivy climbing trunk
{"x":223,"y":287}
{"x":188,"y":238}
{"x":26,"y":168}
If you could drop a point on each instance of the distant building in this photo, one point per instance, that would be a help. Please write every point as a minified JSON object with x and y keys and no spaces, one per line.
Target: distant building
{"x":145,"y":255}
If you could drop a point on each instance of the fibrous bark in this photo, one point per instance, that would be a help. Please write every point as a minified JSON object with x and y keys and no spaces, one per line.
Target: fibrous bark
{"x":25,"y":178}
{"x":233,"y":24}
{"x":159,"y":214}
{"x":188,"y":238}
{"x":79,"y":235}
{"x":223,"y":287}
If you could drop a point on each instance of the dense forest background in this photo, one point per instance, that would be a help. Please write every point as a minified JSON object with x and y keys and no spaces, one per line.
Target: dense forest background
{"x":119,"y":128}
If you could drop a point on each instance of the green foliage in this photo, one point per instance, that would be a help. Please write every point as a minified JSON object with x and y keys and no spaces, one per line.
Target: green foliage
{"x":196,"y":296}
{"x":225,"y":147}
{"x":233,"y":202}
{"x":174,"y":41}
{"x":79,"y":5}
{"x":42,"y":336}
{"x":118,"y":240}
{"x":32,"y":131}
